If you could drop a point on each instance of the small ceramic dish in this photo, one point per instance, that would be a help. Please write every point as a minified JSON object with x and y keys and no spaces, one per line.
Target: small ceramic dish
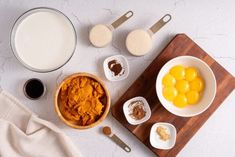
{"x":109,"y":63}
{"x":127,"y":111}
{"x":155,"y":140}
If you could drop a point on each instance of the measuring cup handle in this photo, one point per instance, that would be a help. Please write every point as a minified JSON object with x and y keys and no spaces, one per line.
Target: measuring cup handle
{"x":158,"y":25}
{"x":122,"y":19}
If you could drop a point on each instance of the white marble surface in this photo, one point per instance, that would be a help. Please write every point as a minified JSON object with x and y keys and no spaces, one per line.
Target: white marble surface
{"x":210,"y":23}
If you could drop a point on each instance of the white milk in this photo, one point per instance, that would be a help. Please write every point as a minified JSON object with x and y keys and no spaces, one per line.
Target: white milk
{"x":45,"y":40}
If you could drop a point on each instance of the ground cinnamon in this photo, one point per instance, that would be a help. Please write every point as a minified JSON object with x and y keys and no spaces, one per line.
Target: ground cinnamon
{"x":138,"y":110}
{"x":115,"y":67}
{"x":107,"y":130}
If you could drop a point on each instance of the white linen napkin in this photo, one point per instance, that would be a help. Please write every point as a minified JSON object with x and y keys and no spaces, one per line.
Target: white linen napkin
{"x":23,"y":134}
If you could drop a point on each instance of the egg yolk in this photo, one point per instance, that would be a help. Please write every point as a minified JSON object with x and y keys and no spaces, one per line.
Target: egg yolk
{"x":180,"y":101}
{"x":178,"y":72}
{"x":190,"y":73}
{"x":192,"y":97}
{"x":197,"y":84}
{"x":168,"y":80}
{"x":182,"y":86}
{"x":169,"y":93}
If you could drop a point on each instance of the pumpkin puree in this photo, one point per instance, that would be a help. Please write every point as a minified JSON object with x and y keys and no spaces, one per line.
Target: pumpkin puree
{"x":81,"y":100}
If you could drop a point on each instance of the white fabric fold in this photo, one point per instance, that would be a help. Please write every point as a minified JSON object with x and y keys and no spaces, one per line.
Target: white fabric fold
{"x":24,"y":134}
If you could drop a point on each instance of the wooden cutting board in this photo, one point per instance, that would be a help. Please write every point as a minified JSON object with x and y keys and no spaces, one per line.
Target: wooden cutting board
{"x":145,"y":86}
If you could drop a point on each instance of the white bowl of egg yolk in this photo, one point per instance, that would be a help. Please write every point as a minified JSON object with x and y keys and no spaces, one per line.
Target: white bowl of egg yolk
{"x":186,"y":86}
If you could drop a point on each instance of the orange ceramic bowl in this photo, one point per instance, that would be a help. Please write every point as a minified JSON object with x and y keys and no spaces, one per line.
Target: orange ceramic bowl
{"x":72,"y":123}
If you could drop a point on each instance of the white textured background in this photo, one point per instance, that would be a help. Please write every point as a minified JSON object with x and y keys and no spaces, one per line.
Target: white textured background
{"x":209,"y":23}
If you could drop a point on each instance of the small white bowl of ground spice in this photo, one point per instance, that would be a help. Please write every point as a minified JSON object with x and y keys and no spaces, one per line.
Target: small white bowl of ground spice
{"x":137,"y":110}
{"x":163,"y":135}
{"x":116,"y":68}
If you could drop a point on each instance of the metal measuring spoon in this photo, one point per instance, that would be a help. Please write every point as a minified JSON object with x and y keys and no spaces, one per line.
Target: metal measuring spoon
{"x":101,"y":35}
{"x":108,"y":132}
{"x":139,"y":41}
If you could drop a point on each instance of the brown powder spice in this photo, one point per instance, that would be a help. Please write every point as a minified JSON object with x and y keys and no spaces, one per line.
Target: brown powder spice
{"x":107,"y":130}
{"x":138,"y":110}
{"x":115,"y":67}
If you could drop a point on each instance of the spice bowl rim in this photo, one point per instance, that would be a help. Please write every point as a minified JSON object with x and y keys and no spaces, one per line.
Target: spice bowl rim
{"x":106,"y":70}
{"x":107,"y":106}
{"x":156,"y":142}
{"x":131,"y":120}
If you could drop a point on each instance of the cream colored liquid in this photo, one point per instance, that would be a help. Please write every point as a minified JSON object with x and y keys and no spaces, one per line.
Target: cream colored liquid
{"x":100,"y":35}
{"x":45,"y":40}
{"x":139,"y":42}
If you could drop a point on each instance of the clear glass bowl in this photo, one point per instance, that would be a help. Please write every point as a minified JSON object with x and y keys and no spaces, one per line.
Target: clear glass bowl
{"x":13,"y":33}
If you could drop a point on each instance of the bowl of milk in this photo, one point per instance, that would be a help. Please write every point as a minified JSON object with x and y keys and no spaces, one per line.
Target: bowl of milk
{"x":43,"y":39}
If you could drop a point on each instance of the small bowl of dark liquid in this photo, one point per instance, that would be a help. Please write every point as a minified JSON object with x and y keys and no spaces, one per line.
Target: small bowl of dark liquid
{"x":34,"y":89}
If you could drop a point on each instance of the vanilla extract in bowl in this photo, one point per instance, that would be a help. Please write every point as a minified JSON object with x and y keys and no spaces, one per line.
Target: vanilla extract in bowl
{"x":34,"y":88}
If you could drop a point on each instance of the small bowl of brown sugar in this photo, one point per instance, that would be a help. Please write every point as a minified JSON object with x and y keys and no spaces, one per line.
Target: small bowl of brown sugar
{"x":137,"y":110}
{"x":82,"y":101}
{"x":116,"y":68}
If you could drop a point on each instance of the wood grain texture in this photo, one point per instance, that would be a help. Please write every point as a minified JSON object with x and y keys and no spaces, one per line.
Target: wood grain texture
{"x":145,"y":86}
